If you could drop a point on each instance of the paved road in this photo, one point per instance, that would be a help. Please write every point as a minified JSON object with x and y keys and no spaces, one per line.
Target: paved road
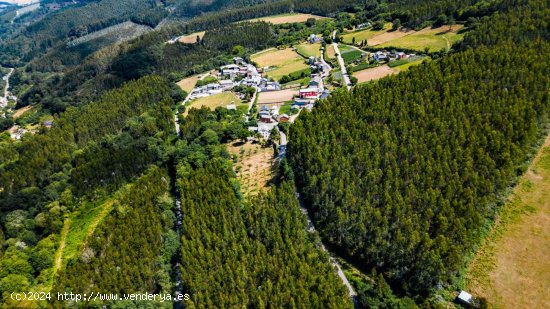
{"x":341,"y":62}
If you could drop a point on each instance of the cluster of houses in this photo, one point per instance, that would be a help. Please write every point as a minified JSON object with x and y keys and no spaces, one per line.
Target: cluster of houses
{"x":239,"y":73}
{"x":314,"y":91}
{"x":385,"y":56}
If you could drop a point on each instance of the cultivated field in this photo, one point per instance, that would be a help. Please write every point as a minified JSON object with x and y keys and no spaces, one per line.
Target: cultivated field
{"x":287,"y":18}
{"x":433,"y":38}
{"x":276,"y":96}
{"x":191,"y":38}
{"x":253,"y":166}
{"x":373,"y":73}
{"x":511,"y":269}
{"x":284,"y":61}
{"x":308,"y":50}
{"x":213,"y":101}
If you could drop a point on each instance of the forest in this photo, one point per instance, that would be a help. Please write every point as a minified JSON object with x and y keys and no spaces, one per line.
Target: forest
{"x":404,"y":175}
{"x":253,"y":253}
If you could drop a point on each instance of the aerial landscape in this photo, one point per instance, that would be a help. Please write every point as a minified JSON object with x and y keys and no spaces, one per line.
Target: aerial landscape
{"x":274,"y":154}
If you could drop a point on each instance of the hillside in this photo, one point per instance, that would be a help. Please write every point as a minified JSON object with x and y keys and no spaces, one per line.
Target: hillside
{"x":378,"y":154}
{"x":403,"y":175}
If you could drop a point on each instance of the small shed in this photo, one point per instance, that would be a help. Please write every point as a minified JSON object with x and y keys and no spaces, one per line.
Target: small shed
{"x":465,"y":298}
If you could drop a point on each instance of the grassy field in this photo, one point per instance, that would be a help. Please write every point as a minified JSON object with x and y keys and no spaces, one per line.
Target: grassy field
{"x":366,"y":34}
{"x":287,"y":18}
{"x":187,"y":84}
{"x":285,"y":61}
{"x":253,"y":166}
{"x":511,"y":269}
{"x":307,"y":50}
{"x":330,"y":53}
{"x":408,"y":65}
{"x":349,"y":54}
{"x":433,"y":38}
{"x":191,"y":38}
{"x":76,"y":229}
{"x":213,"y":101}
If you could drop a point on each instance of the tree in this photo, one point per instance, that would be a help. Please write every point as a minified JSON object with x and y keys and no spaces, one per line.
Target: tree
{"x":274,"y":135}
{"x":396,"y":24}
{"x":441,"y":20}
{"x":379,"y":24}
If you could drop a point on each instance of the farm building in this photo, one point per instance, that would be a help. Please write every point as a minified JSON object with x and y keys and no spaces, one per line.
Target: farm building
{"x":309,"y":93}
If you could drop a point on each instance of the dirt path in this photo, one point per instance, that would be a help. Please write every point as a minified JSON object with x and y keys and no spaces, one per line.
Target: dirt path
{"x":59,"y":253}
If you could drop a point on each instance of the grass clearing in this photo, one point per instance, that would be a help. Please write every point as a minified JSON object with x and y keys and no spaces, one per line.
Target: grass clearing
{"x":191,"y":38}
{"x":331,"y":53}
{"x":284,"y":62}
{"x":82,"y":224}
{"x":187,"y":84}
{"x":434,"y":39}
{"x":408,"y":65}
{"x":253,"y":166}
{"x":511,"y":267}
{"x":307,"y":50}
{"x":287,"y":18}
{"x":18,"y":113}
{"x":213,"y":101}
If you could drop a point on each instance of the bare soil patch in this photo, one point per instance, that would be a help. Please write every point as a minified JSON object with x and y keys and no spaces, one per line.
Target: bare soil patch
{"x":374,"y":73}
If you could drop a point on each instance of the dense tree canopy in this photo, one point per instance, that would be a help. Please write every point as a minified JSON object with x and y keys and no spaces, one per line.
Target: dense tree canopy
{"x":403,"y":174}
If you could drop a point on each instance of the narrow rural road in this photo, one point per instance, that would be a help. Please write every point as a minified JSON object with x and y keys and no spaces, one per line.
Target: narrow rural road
{"x":4,"y":98}
{"x":341,"y":62}
{"x":179,"y":215}
{"x":311,"y":229}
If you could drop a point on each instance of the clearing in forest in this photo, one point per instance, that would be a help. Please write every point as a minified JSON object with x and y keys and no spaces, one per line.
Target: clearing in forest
{"x":18,"y":113}
{"x":187,"y":84}
{"x":287,"y":18}
{"x":191,"y":38}
{"x":253,"y":165}
{"x":511,"y":268}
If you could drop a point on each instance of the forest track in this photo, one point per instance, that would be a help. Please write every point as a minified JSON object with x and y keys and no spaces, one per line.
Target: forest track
{"x":59,"y":253}
{"x":339,"y":271}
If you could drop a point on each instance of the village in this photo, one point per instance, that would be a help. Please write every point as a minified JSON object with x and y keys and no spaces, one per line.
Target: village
{"x":272,"y":102}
